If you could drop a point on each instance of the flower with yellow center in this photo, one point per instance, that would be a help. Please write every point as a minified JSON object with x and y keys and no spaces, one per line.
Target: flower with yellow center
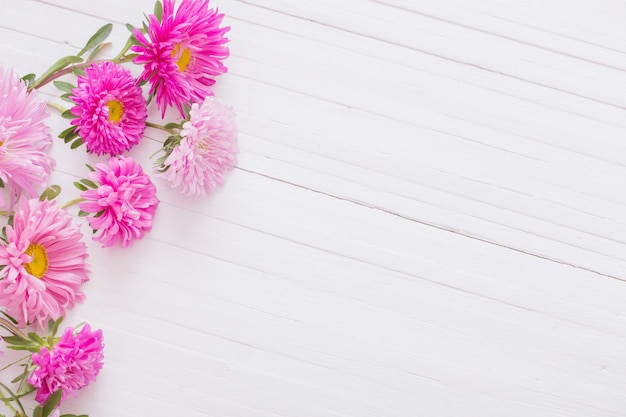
{"x":44,"y":258}
{"x":116,"y":111}
{"x":182,"y":56}
{"x":38,"y":266}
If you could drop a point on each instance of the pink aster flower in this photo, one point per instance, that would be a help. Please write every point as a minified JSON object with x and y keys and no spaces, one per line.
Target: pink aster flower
{"x":45,"y":263}
{"x":110,"y":108}
{"x":207,"y":149}
{"x":183,"y":54}
{"x":70,"y":365}
{"x":124,"y":203}
{"x":24,"y":138}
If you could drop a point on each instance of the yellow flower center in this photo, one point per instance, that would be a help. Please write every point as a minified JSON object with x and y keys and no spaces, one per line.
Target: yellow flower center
{"x":116,"y":111}
{"x":183,"y":57}
{"x":38,"y":265}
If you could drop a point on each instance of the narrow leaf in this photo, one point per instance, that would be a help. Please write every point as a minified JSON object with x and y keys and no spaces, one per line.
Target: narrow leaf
{"x":63,"y":86}
{"x":51,"y":403}
{"x":76,"y":143}
{"x":67,"y":114}
{"x":130,"y":27}
{"x":80,"y":186}
{"x":89,"y":183}
{"x":158,"y":10}
{"x":67,"y":132}
{"x":97,"y":38}
{"x":59,"y":65}
{"x":50,"y":193}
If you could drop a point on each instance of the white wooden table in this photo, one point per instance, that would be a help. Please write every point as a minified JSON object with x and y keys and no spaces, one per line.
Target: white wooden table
{"x":427,"y":218}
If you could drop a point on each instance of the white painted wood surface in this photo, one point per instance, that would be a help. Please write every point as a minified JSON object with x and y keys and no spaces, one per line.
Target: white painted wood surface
{"x":427,"y":218}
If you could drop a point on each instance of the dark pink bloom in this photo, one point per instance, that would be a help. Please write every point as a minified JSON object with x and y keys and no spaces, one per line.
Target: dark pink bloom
{"x":124,"y":203}
{"x":110,"y":107}
{"x":183,"y":52}
{"x":70,"y":365}
{"x":44,"y":259}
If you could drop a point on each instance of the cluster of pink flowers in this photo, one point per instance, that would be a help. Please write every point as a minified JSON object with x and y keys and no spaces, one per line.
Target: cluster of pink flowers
{"x":43,"y":256}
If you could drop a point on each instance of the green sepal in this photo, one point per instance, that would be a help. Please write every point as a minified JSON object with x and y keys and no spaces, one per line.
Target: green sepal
{"x":66,"y":97}
{"x":82,"y":213}
{"x":130,"y":28}
{"x":90,"y":168}
{"x":67,"y":114}
{"x":97,"y":38}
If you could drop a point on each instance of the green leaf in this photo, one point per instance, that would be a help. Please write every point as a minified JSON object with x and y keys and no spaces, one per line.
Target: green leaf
{"x":78,"y":71}
{"x":37,"y":411}
{"x":67,"y":131}
{"x":172,"y":125}
{"x":82,"y":213}
{"x":63,"y":86}
{"x":50,"y":193}
{"x":90,"y":168}
{"x":52,"y":402}
{"x":89,"y":183}
{"x":158,"y":10}
{"x":70,"y":137}
{"x":28,"y":78}
{"x":66,"y":97}
{"x":59,"y":65}
{"x":55,"y":326}
{"x":130,"y":27}
{"x":36,"y":338}
{"x":97,"y":38}
{"x":17,"y":341}
{"x":80,"y":186}
{"x":96,"y":51}
{"x":76,"y":143}
{"x":67,"y":114}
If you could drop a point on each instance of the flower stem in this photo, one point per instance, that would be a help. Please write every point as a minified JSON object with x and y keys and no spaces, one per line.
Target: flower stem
{"x":12,"y":328}
{"x":67,"y":70}
{"x":56,"y":106}
{"x":161,"y":127}
{"x":14,"y":397}
{"x":72,"y":202}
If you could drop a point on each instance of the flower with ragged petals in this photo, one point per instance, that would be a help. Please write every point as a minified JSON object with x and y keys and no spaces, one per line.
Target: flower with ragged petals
{"x":207,"y":149}
{"x":110,"y":108}
{"x":182,"y":53}
{"x":44,"y":258}
{"x":72,"y":363}
{"x":122,"y":206}
{"x":24,"y":138}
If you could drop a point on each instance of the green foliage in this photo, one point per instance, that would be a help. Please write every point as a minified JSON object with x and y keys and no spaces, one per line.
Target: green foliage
{"x":97,"y":38}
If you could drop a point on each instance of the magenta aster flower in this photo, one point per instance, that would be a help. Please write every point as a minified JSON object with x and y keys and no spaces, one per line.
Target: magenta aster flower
{"x":183,"y":54}
{"x":207,"y":149}
{"x":24,"y":138}
{"x":124,"y":203}
{"x":110,"y":108}
{"x":45,"y":263}
{"x":70,"y":365}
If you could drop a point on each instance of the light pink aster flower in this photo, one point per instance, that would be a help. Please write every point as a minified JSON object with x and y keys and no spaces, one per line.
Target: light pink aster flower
{"x":183,"y":53}
{"x":24,"y":138}
{"x":124,"y":203}
{"x":70,"y":365}
{"x":207,"y":149}
{"x":110,"y":108}
{"x":45,"y":263}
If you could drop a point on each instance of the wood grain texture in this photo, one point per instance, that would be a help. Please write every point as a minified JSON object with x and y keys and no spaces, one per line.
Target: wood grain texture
{"x":427,"y":217}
